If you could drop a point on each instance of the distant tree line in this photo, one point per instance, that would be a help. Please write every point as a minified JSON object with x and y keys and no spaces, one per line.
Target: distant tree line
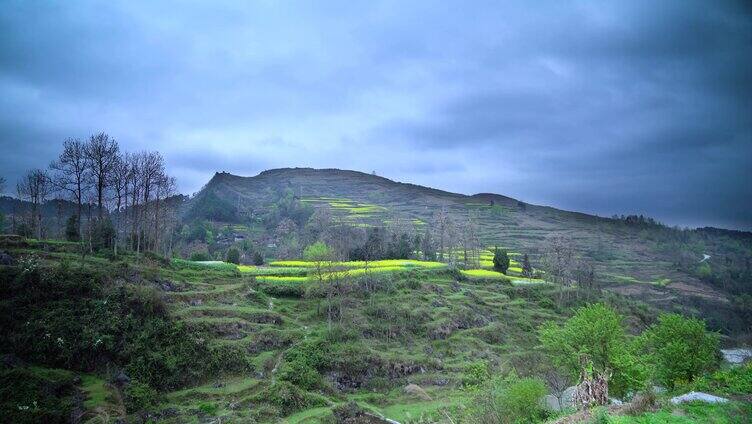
{"x":121,"y":198}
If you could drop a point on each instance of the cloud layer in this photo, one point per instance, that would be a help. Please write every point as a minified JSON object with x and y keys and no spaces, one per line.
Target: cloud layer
{"x":607,"y":107}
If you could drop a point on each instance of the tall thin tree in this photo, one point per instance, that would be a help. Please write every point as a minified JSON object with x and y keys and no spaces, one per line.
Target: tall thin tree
{"x":71,"y":174}
{"x":34,"y":186}
{"x":101,"y":154}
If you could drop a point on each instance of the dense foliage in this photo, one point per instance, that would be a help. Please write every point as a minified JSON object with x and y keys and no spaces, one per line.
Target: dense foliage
{"x":595,"y":335}
{"x":78,"y":319}
{"x":680,"y":349}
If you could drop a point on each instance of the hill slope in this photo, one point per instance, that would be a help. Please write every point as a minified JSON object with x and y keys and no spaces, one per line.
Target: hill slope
{"x":635,"y":257}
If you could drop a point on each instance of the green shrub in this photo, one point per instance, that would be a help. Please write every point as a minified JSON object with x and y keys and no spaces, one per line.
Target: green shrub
{"x":208,"y":408}
{"x":287,"y":398}
{"x":600,"y":416}
{"x":303,"y":362}
{"x":200,"y":256}
{"x":476,"y":375}
{"x":732,"y":381}
{"x":500,"y":260}
{"x":521,"y":400}
{"x":36,"y":395}
{"x":157,"y":258}
{"x":71,"y":318}
{"x":139,"y":396}
{"x":680,"y":348}
{"x":282,"y":288}
{"x":233,"y":256}
{"x":596,"y":333}
{"x":509,"y":401}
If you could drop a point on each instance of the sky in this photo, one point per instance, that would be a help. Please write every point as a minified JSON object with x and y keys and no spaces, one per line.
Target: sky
{"x":596,"y":106}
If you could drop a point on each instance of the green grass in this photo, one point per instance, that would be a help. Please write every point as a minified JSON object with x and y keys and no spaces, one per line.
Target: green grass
{"x":484,"y":274}
{"x":404,"y":263}
{"x":693,"y":413}
{"x":281,"y":279}
{"x":96,"y":391}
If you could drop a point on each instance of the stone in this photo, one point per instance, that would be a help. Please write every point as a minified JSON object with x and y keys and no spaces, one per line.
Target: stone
{"x":736,"y":356}
{"x":121,"y":379}
{"x":417,"y":391}
{"x":697,"y":396}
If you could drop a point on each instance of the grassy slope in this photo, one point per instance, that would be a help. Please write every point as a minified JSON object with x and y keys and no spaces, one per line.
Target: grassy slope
{"x":628,"y":260}
{"x":421,"y":318}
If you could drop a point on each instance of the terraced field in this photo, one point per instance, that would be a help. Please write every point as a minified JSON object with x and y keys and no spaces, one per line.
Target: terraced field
{"x":243,"y":309}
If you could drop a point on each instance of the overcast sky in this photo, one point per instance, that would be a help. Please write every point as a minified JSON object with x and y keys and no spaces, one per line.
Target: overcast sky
{"x":602,"y":107}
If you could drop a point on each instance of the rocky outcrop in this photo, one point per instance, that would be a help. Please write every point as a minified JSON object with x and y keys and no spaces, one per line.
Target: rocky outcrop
{"x":698,"y":397}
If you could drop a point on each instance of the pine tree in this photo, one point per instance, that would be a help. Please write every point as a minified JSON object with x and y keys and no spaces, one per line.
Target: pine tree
{"x":500,"y":260}
{"x":71,"y":229}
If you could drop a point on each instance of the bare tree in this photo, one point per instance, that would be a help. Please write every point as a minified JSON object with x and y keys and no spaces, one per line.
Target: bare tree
{"x":134,"y":182}
{"x":441,"y":224}
{"x":2,"y":185}
{"x":101,"y":154}
{"x":119,"y":183}
{"x":71,"y":174}
{"x":469,"y":241}
{"x":152,"y":171}
{"x":34,"y":187}
{"x":558,"y":258}
{"x":165,"y":188}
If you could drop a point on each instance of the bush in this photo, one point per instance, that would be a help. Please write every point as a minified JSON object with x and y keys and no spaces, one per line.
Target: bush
{"x":233,"y":256}
{"x":680,"y":348}
{"x":303,"y":362}
{"x":500,"y":260}
{"x":595,"y":333}
{"x":258,"y":259}
{"x":71,"y":229}
{"x":200,"y":256}
{"x":36,"y":395}
{"x":71,"y":318}
{"x":287,"y":398}
{"x":521,"y":401}
{"x":157,"y":258}
{"x":208,"y":408}
{"x":732,"y":381}
{"x":508,"y":401}
{"x":139,"y":396}
{"x":476,"y":375}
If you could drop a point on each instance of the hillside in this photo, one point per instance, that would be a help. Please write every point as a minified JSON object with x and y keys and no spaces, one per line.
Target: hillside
{"x":632,"y":256}
{"x":263,"y":304}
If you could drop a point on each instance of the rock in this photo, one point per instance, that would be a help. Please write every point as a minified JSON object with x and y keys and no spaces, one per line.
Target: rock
{"x":196,"y":302}
{"x":167,"y":286}
{"x":121,"y":379}
{"x":351,"y":413}
{"x":697,"y":396}
{"x":6,"y":259}
{"x":567,"y":399}
{"x":417,"y":391}
{"x":218,"y":385}
{"x":736,"y":356}
{"x":551,"y":403}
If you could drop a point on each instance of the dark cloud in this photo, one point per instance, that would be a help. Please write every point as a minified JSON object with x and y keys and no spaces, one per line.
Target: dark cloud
{"x":608,"y":107}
